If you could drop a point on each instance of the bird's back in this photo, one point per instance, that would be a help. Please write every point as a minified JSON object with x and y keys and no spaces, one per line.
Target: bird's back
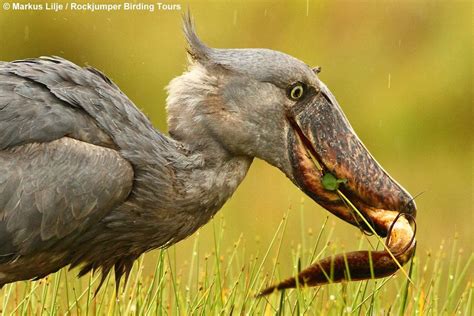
{"x":63,"y":133}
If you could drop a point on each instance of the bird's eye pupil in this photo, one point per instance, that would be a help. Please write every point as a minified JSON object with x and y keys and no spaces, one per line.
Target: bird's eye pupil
{"x":296,"y":92}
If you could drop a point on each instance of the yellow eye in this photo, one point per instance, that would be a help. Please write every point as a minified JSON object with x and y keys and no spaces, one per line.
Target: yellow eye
{"x":296,"y":91}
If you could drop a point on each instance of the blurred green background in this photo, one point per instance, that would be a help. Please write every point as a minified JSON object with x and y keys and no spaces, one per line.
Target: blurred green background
{"x":402,"y":72}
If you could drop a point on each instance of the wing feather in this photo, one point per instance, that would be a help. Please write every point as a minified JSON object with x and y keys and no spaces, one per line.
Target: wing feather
{"x":84,"y":90}
{"x":51,"y":190}
{"x":29,"y":112}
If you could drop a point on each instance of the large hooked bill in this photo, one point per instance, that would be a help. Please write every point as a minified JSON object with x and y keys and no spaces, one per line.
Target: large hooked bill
{"x":322,"y":143}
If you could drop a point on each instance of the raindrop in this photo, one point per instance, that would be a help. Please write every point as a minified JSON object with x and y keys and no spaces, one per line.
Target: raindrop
{"x":26,"y":33}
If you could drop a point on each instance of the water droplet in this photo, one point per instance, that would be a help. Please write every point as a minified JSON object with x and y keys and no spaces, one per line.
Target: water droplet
{"x":26,"y":33}
{"x":235,"y":17}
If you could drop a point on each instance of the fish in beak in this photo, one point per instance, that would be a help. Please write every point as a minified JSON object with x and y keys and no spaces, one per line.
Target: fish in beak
{"x":324,"y":146}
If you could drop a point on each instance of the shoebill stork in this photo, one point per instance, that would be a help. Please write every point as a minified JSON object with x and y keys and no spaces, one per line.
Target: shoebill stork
{"x":87,"y":181}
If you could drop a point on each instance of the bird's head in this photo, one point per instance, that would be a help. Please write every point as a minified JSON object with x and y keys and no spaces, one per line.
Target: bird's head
{"x":266,"y":104}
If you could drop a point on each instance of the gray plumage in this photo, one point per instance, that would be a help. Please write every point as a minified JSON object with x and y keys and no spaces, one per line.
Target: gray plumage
{"x":86,"y":180}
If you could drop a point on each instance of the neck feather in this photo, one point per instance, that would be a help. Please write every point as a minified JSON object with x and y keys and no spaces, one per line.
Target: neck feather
{"x":181,"y":193}
{"x":182,"y":180}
